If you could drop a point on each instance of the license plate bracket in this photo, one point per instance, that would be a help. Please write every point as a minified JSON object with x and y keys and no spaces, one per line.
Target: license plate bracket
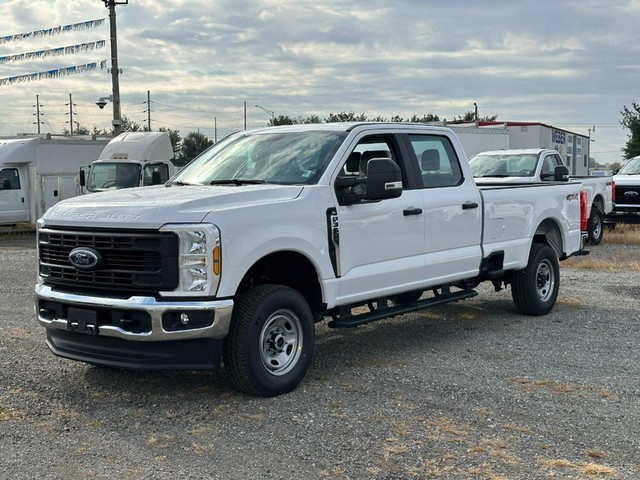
{"x":82,"y":320}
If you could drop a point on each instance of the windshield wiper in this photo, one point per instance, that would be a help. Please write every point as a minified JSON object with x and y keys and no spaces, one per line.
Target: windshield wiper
{"x":495,"y":175}
{"x":236,"y":181}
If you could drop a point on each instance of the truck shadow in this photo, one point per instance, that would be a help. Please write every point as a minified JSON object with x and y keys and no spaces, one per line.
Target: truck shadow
{"x":338,"y":353}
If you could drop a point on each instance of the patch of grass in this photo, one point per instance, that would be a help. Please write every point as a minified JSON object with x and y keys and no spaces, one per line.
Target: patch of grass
{"x":597,"y":469}
{"x":200,"y":449}
{"x":569,"y":302}
{"x":594,"y":453}
{"x":9,"y":414}
{"x":160,"y":441}
{"x":516,"y":428}
{"x":559,"y":387}
{"x":625,"y":234}
{"x":393,"y":450}
{"x":592,"y":263}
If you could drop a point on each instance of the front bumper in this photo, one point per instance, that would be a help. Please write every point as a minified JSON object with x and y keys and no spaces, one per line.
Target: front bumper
{"x":157,"y":311}
{"x":137,"y":332}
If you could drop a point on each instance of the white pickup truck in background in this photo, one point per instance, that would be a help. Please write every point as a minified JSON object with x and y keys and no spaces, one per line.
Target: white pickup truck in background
{"x":539,"y":165}
{"x":270,"y":231}
{"x":626,"y":208}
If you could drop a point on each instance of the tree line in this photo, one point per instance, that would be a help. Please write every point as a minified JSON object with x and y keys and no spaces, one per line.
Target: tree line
{"x":193,"y":143}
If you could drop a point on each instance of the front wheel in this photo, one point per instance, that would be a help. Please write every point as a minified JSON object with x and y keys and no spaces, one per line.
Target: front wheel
{"x":596,"y":226}
{"x":535,"y":288}
{"x":270,"y":343}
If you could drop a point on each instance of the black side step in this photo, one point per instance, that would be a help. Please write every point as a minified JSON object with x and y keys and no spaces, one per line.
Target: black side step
{"x":350,"y":321}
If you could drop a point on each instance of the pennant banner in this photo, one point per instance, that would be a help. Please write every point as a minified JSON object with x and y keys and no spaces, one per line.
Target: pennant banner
{"x":60,"y":72}
{"x":82,"y":47}
{"x":52,"y":31}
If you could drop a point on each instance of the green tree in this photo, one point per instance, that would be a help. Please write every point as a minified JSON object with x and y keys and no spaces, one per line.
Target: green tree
{"x":631,"y":120}
{"x":79,"y":130}
{"x":470,"y":116}
{"x":282,"y":120}
{"x":310,"y":119}
{"x":346,"y":117}
{"x":131,"y":125}
{"x":429,"y":117}
{"x":193,"y":144}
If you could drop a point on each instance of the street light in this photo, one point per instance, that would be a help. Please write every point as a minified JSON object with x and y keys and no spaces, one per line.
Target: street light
{"x":273,"y":115}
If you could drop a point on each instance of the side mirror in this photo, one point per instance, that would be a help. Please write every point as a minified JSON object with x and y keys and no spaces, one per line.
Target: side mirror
{"x":384,"y":179}
{"x":5,"y":185}
{"x":83,"y":178}
{"x":561,"y":174}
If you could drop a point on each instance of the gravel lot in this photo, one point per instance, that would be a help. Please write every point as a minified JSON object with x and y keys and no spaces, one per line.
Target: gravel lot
{"x":470,"y":390}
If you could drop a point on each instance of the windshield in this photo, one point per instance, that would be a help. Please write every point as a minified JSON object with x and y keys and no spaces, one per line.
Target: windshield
{"x":521,"y":165}
{"x":112,"y":176}
{"x":632,"y":167}
{"x":286,"y":158}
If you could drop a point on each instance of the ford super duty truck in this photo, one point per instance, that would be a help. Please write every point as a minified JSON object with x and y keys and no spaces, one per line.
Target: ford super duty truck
{"x":626,"y":207}
{"x":539,"y":165}
{"x":270,"y":231}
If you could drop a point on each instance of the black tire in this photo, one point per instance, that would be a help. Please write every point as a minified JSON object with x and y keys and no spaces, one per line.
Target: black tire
{"x":270,"y":343}
{"x":535,"y":288}
{"x":407,"y":297}
{"x":595,"y":226}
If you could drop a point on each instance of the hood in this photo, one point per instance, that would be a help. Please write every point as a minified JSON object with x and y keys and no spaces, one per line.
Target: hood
{"x":627,"y":180}
{"x":152,"y":207}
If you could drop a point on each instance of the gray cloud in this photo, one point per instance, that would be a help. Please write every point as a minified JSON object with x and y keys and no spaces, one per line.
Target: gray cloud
{"x":572,"y":64}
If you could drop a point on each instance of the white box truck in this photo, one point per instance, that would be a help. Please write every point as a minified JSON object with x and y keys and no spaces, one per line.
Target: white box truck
{"x":38,"y":172}
{"x":132,"y":159}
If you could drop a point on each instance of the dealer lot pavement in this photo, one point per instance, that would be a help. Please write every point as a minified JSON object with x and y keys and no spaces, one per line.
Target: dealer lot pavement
{"x":470,"y":390}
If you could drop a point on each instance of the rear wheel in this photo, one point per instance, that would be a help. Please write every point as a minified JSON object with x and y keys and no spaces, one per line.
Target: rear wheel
{"x":270,"y":343}
{"x":535,"y":288}
{"x":596,"y":226}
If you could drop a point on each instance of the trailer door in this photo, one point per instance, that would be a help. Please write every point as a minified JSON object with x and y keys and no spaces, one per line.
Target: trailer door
{"x":13,"y":207}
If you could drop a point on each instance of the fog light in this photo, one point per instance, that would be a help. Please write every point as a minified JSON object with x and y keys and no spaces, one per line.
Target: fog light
{"x":184,"y":318}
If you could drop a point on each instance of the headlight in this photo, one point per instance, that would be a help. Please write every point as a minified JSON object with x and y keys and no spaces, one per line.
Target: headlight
{"x":199,"y":263}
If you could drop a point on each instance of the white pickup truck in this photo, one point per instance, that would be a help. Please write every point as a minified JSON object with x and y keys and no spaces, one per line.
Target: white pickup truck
{"x":536,"y":165}
{"x":272,"y":230}
{"x":626,"y":207}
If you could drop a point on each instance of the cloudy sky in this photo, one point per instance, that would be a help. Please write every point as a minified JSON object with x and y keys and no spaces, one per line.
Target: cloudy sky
{"x":573,"y":64}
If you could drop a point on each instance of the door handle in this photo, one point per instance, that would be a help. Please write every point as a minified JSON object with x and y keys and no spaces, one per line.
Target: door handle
{"x":469,"y":205}
{"x":411,"y":211}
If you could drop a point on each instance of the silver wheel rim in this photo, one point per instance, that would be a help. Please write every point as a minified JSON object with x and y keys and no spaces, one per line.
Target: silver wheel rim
{"x":597,"y":227}
{"x":281,"y":342}
{"x":545,"y":280}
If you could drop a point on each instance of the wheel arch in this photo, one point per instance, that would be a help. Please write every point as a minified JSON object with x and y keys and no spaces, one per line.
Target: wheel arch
{"x":288,"y":268}
{"x":549,"y":233}
{"x":598,"y":201}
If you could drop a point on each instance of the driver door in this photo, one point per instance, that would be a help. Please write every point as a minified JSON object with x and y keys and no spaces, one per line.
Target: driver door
{"x":380,"y":244}
{"x":13,"y":207}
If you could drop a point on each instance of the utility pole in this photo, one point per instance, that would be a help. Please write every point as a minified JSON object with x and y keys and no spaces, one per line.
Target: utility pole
{"x":245,"y":115}
{"x":70,"y":115}
{"x":148,"y":110}
{"x":37,"y":105}
{"x":115,"y":71}
{"x":215,"y":129}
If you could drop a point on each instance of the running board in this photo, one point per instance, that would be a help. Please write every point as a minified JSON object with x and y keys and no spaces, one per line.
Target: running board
{"x":350,"y":321}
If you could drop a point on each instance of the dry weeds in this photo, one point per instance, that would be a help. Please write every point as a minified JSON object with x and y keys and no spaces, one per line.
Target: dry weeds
{"x":560,"y":387}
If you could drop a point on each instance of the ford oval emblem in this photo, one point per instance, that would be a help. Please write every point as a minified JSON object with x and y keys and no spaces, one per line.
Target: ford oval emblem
{"x":84,"y":258}
{"x":631,"y":193}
